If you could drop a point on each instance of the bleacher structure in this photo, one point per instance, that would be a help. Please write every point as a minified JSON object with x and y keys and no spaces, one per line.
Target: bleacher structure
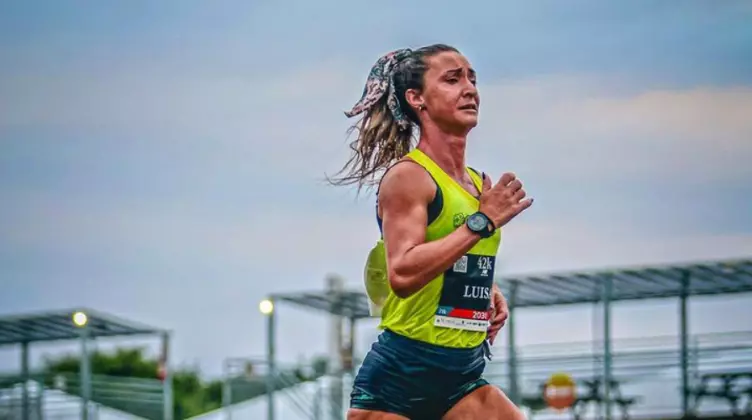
{"x":708,"y":367}
{"x":691,"y":375}
{"x":31,"y":395}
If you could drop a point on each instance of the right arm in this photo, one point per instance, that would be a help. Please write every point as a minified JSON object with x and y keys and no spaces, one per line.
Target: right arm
{"x":404,"y":195}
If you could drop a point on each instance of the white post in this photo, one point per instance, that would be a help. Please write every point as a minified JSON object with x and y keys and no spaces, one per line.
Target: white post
{"x":335,"y":286}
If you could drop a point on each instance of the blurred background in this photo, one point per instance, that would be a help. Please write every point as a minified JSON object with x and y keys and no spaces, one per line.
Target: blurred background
{"x":162,"y":172}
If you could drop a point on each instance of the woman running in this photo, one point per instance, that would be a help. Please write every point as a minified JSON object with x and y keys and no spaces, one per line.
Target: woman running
{"x":440,"y":225}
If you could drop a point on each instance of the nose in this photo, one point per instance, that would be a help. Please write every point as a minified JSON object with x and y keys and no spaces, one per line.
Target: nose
{"x":470,"y":90}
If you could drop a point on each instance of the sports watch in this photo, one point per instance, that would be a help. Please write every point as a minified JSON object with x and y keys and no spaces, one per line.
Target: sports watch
{"x":480,"y":224}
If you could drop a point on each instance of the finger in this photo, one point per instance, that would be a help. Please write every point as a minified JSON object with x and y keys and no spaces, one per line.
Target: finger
{"x":493,"y":329}
{"x":500,"y":318}
{"x":486,"y":183}
{"x":519,"y":195}
{"x":492,"y":336}
{"x":496,"y":325}
{"x":515,"y":186}
{"x":522,"y":206}
{"x":506,"y":178}
{"x":498,"y":301}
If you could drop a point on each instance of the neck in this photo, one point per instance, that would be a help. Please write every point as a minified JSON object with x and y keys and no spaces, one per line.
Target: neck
{"x":446,"y":150}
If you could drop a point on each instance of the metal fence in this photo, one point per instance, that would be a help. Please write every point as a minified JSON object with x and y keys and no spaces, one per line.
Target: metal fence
{"x":58,"y":396}
{"x":646,"y":375}
{"x":646,"y":379}
{"x":300,"y":388}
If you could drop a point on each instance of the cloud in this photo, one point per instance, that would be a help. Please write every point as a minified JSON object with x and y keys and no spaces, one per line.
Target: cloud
{"x":542,"y":246}
{"x":310,"y":242}
{"x":280,"y":123}
{"x":572,"y":129}
{"x":296,"y":118}
{"x":696,"y":114}
{"x":126,"y":232}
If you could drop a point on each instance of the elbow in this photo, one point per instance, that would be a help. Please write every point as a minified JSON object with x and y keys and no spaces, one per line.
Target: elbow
{"x":401,"y":285}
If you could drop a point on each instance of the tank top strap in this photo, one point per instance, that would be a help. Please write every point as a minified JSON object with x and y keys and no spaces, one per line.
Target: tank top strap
{"x":434,"y":208}
{"x":477,"y":178}
{"x":423,"y":160}
{"x":439,"y":175}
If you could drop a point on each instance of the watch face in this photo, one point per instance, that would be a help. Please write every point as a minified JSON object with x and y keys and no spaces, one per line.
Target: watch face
{"x":477,"y":222}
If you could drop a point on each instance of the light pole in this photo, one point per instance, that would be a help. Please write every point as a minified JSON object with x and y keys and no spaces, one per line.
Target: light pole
{"x":81,"y":320}
{"x":266,"y":307}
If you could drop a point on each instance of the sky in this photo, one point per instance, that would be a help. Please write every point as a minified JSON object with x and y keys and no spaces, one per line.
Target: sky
{"x":165,"y":161}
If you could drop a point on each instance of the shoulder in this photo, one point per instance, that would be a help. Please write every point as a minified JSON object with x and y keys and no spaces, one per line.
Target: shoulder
{"x":407,"y":181}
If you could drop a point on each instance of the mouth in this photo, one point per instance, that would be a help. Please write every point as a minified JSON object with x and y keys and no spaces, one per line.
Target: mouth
{"x":469,"y":107}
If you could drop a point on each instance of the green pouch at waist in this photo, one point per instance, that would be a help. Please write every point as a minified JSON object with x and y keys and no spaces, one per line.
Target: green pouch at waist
{"x":375,"y":279}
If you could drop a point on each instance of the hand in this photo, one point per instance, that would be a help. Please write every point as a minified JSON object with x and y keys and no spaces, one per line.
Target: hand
{"x":504,"y":201}
{"x":500,"y":314}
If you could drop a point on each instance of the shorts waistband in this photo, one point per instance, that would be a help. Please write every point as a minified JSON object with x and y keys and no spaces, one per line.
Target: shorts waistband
{"x":444,"y":357}
{"x":391,"y":335}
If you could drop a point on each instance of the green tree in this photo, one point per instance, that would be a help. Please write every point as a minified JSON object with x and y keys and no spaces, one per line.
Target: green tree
{"x":189,"y":393}
{"x":123,"y":362}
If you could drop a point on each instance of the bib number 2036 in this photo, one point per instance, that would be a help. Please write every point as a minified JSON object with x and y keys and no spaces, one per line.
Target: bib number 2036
{"x":466,"y":294}
{"x":483,"y":316}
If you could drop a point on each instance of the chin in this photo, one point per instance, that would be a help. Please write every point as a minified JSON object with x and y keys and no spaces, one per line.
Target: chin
{"x":466,"y":119}
{"x":460,"y":125}
{"x":469,"y":122}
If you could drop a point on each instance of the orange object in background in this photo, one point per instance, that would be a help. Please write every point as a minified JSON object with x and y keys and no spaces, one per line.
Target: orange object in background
{"x":560,"y":391}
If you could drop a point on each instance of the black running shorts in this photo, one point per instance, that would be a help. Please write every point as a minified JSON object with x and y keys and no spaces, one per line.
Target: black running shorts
{"x":414,"y":379}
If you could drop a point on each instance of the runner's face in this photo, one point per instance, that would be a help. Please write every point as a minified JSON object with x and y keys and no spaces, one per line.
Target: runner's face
{"x":450,"y":94}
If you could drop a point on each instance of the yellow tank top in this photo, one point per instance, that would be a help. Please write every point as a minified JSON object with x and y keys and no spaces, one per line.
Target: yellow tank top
{"x":454,"y":309}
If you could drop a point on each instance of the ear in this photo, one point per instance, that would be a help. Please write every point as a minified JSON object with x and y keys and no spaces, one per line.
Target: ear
{"x":415,"y":99}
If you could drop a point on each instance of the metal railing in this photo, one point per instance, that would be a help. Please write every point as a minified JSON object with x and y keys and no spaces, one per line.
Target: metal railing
{"x":646,"y":371}
{"x":59,"y":396}
{"x":296,"y":386}
{"x":647,"y":374}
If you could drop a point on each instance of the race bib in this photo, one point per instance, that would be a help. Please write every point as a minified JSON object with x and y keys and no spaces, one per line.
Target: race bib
{"x":465,"y":302}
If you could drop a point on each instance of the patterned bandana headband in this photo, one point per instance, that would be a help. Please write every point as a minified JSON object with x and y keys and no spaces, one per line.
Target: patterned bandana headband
{"x":380,"y":82}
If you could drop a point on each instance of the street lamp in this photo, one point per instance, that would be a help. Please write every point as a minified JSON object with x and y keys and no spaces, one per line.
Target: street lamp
{"x":81,"y":320}
{"x":266,"y":306}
